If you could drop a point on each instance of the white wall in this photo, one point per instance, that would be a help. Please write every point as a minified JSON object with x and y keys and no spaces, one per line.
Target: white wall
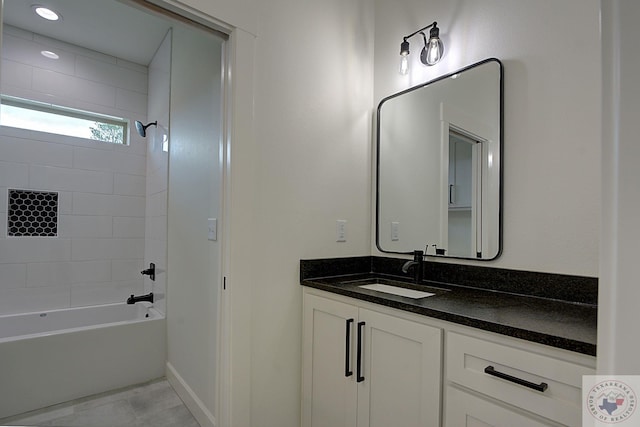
{"x":155,"y":248}
{"x":313,"y":106}
{"x":194,"y":192}
{"x":551,"y":57}
{"x":301,"y":152}
{"x":618,"y":315}
{"x":99,"y":251}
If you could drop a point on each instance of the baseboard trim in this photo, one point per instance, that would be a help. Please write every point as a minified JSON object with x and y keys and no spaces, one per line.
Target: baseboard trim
{"x":192,"y":402}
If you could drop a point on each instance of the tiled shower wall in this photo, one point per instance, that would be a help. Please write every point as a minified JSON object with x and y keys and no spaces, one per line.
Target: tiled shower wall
{"x":157,"y":171}
{"x":99,"y":251}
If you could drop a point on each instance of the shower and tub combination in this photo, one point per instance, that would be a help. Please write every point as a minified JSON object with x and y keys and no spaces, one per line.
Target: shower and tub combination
{"x":97,"y":213}
{"x":49,"y":357}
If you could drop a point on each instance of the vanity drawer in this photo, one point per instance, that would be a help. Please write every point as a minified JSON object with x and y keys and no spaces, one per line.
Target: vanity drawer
{"x":535,"y":382}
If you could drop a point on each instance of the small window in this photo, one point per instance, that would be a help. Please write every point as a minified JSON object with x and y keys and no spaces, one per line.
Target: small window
{"x":31,"y":115}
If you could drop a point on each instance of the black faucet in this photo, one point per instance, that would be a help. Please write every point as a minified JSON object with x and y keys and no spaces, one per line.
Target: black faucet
{"x":418,"y":270}
{"x":133,"y":299}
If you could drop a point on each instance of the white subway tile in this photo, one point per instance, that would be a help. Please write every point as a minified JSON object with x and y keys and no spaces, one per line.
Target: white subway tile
{"x":104,"y":293}
{"x":90,"y":271}
{"x":157,"y":161}
{"x":127,"y":270}
{"x":16,"y":74}
{"x":25,"y":300}
{"x":85,"y":226}
{"x":28,"y":52}
{"x":132,"y":66}
{"x":65,"y":202}
{"x":72,"y":48}
{"x":156,"y":228}
{"x":3,"y":221}
{"x":67,"y":273}
{"x":93,"y":159}
{"x":156,"y":252}
{"x":14,"y":175}
{"x":105,"y":204}
{"x":129,"y":185}
{"x":51,"y":138}
{"x":130,"y":100}
{"x":137,"y":144}
{"x":34,"y":249}
{"x":129,"y":163}
{"x":40,"y":274}
{"x":52,"y":178}
{"x":13,"y":276}
{"x":113,"y":75}
{"x":96,"y":249}
{"x":157,"y":204}
{"x":157,"y":182}
{"x":24,"y":150}
{"x":66,"y":86}
{"x":17,"y":32}
{"x":128,"y":227}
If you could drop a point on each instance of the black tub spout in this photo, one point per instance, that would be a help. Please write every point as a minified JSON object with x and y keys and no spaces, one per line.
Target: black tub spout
{"x":133,"y":299}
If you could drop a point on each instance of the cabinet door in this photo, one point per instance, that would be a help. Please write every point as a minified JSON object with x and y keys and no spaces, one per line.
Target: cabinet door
{"x":329,"y":393}
{"x":466,"y":410}
{"x":401,"y":362}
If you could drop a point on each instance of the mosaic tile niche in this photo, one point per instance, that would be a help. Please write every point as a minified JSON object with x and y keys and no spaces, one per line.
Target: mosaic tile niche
{"x":32,"y":213}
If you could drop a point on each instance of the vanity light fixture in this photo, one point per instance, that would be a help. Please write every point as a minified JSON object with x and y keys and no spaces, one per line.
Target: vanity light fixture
{"x":431,"y":52}
{"x":46,"y":13}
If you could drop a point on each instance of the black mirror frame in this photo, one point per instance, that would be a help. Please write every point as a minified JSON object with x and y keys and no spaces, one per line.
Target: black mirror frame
{"x":501,"y":127}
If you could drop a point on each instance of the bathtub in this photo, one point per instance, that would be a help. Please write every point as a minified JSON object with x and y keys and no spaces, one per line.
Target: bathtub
{"x":51,"y":357}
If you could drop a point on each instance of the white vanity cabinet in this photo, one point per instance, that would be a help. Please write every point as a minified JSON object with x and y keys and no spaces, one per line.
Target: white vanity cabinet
{"x":469,"y":410}
{"x":366,"y":367}
{"x":502,"y":382}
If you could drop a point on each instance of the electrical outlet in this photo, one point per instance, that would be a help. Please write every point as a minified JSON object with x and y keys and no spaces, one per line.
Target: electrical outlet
{"x":341,"y":230}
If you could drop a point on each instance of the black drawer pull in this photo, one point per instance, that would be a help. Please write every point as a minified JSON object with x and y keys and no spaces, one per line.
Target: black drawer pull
{"x":538,"y":387}
{"x":359,"y":376}
{"x":348,"y":372}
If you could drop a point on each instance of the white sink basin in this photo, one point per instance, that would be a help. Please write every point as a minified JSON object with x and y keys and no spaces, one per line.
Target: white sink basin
{"x":395,"y":290}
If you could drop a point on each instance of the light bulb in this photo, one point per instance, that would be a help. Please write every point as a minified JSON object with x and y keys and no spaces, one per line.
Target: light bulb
{"x":404,"y":65}
{"x":404,"y":61}
{"x":434,"y":51}
{"x":46,"y":13}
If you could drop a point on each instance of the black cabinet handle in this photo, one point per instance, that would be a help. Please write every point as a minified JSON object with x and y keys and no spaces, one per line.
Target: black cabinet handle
{"x":359,"y":377}
{"x":348,"y":372}
{"x":538,"y":387}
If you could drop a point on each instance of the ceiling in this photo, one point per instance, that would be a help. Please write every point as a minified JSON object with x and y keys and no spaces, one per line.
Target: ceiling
{"x":108,"y":26}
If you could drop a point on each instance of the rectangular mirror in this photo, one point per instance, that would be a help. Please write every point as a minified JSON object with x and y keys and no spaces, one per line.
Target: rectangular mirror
{"x":439,"y":172}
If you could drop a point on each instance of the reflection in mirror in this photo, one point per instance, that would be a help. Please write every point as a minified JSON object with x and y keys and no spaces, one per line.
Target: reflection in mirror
{"x":439,"y":166}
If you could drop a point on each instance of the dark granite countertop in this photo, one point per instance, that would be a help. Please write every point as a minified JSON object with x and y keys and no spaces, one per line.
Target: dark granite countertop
{"x":555,"y":322}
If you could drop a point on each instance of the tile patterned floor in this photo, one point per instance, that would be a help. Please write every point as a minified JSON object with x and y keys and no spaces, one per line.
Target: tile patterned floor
{"x":154,"y":404}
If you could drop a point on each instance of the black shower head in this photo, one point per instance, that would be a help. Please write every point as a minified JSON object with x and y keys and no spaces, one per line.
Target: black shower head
{"x":142,"y":129}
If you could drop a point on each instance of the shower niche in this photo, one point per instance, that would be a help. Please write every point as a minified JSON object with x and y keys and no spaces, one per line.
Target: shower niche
{"x":32,"y":213}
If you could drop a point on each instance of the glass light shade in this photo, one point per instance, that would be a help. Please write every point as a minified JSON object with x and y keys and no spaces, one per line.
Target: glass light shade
{"x":435,"y":49}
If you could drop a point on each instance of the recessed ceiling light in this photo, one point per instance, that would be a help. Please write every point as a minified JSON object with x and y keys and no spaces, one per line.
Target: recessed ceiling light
{"x":49,"y":54}
{"x":46,"y":13}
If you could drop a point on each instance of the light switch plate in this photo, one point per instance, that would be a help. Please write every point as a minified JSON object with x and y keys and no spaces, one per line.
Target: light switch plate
{"x":341,"y":230}
{"x":212,"y":225}
{"x":395,"y":231}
